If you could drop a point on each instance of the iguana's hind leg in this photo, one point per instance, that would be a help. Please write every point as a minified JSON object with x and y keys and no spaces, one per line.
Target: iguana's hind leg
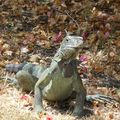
{"x":25,"y":80}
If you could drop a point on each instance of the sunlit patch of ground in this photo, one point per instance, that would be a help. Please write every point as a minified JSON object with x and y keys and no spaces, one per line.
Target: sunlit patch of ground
{"x":14,"y":105}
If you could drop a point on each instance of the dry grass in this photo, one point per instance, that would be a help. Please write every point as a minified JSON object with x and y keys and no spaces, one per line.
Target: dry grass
{"x":15,"y":107}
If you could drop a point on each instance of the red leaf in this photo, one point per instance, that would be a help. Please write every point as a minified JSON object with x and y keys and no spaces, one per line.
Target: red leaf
{"x":84,"y":69}
{"x":85,"y":35}
{"x":83,"y":58}
{"x":107,"y":34}
{"x":49,"y":117}
{"x":58,"y":37}
{"x":24,"y":97}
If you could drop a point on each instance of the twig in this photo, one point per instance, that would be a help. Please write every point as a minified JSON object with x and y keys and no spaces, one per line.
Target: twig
{"x":78,"y":30}
{"x":72,"y":19}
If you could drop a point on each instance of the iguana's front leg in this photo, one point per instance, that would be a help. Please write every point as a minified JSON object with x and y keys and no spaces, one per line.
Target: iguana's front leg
{"x":38,"y":100}
{"x":80,"y":97}
{"x":41,"y":83}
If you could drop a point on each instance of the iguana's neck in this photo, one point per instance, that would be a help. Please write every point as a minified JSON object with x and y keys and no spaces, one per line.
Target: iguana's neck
{"x":65,"y":54}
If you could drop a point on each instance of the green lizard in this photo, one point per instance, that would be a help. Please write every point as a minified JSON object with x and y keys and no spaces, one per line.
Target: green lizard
{"x":56,"y":82}
{"x":59,"y":80}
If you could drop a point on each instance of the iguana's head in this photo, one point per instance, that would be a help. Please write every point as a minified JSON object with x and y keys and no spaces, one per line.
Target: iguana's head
{"x":69,"y":47}
{"x":71,"y":41}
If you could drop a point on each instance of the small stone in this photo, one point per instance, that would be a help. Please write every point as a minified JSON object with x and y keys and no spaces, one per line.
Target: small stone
{"x":24,"y":50}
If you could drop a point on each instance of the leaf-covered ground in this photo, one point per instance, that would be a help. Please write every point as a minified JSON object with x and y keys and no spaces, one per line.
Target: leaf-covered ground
{"x":16,"y":105}
{"x":32,"y":31}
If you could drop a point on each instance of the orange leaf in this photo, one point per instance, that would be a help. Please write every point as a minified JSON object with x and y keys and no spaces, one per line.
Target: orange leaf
{"x":111,"y":116}
{"x":58,"y":2}
{"x":98,"y":68}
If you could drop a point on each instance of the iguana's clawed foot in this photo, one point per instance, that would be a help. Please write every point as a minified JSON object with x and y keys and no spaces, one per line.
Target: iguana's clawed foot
{"x":101,"y":98}
{"x":78,"y":113}
{"x":39,"y":115}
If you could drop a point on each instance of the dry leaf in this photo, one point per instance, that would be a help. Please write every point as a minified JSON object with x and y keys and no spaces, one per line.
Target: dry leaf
{"x":98,"y":68}
{"x":111,"y":116}
{"x":34,"y":58}
{"x":58,"y":2}
{"x":111,"y":54}
{"x":7,"y":52}
{"x":6,"y":47}
{"x":43,"y":35}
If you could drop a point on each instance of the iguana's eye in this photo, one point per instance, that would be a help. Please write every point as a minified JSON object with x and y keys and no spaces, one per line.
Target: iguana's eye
{"x":66,"y":39}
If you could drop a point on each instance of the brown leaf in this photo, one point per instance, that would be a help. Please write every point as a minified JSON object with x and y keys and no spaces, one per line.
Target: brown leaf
{"x":46,"y":44}
{"x":43,"y":35}
{"x":98,"y":68}
{"x":58,"y":2}
{"x":111,"y":116}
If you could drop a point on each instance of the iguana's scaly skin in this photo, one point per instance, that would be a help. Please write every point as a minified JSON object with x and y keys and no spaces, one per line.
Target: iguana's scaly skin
{"x":56,"y":82}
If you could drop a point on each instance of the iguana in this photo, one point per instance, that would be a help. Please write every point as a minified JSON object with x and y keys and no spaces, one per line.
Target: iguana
{"x":59,"y":80}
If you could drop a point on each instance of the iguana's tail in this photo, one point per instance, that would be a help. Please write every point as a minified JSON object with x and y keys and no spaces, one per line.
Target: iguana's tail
{"x":101,"y":98}
{"x":14,"y":67}
{"x":12,"y":80}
